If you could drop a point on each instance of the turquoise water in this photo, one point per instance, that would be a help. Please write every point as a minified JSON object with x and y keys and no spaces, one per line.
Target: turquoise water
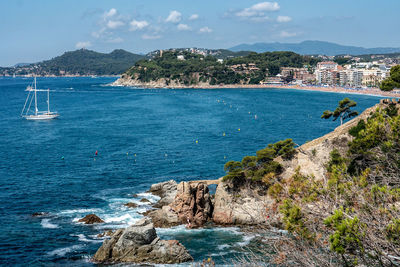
{"x":143,"y":136}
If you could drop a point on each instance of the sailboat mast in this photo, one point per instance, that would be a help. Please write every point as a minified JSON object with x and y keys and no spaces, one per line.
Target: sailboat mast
{"x":36,"y":110}
{"x":48,"y":100}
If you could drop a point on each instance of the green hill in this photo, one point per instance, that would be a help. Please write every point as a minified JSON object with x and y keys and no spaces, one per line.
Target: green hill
{"x":80,"y":62}
{"x":185,"y":68}
{"x":87,"y":62}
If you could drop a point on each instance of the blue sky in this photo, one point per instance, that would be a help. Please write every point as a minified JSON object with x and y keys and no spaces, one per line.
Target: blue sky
{"x":35,"y":30}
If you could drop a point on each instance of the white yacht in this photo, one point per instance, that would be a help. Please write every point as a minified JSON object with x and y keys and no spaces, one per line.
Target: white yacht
{"x":36,"y":114}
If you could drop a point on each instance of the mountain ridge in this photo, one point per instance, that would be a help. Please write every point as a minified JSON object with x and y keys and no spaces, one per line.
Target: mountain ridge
{"x":314,"y":48}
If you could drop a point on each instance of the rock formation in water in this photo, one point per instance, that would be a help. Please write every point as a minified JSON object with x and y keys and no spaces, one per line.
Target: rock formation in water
{"x":192,"y":204}
{"x":91,"y":219}
{"x":166,"y":191}
{"x":139,"y":243}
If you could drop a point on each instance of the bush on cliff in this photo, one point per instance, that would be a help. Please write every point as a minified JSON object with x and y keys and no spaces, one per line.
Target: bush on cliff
{"x":260,"y":167}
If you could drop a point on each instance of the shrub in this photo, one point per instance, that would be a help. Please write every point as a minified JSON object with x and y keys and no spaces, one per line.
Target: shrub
{"x":348,"y":234}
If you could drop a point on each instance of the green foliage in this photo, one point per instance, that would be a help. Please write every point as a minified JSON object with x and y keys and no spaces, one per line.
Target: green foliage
{"x":342,"y":60}
{"x":234,"y":169}
{"x":87,"y":62}
{"x":294,"y":219}
{"x":393,"y":81}
{"x":391,"y":110}
{"x":303,"y":187}
{"x":284,"y":148}
{"x":261,"y":167}
{"x":197,"y":68}
{"x":393,"y":232}
{"x":335,"y":159}
{"x":343,"y":111}
{"x":348,"y":235}
{"x":354,"y":131}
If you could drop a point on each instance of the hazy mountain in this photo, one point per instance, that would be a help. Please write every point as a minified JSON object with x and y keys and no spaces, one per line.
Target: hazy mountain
{"x":313,"y":48}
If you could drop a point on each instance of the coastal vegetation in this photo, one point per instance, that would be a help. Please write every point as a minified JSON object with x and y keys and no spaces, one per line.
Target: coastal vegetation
{"x":79,"y":62}
{"x":349,"y":219}
{"x":182,"y":67}
{"x":393,"y":81}
{"x":343,"y":111}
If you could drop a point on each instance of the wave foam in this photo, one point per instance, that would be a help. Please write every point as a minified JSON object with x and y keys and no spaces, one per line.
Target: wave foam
{"x":79,"y":211}
{"x":47,"y":224}
{"x":83,"y":238}
{"x":63,"y":251}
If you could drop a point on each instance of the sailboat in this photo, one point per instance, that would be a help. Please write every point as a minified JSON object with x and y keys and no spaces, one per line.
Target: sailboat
{"x":37,"y":115}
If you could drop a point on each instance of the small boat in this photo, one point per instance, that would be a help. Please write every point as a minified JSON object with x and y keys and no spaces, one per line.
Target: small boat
{"x":32,"y":96}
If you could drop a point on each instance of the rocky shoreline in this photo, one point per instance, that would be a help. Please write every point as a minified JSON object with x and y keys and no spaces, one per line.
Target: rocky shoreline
{"x":161,"y":83}
{"x":235,"y":203}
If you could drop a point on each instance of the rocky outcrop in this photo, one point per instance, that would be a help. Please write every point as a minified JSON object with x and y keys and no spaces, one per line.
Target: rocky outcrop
{"x":192,"y":204}
{"x":126,"y":80}
{"x":164,"y":217}
{"x":166,"y":191}
{"x":131,"y":205}
{"x":139,"y":243}
{"x":242,"y":205}
{"x":91,"y":219}
{"x":313,"y":156}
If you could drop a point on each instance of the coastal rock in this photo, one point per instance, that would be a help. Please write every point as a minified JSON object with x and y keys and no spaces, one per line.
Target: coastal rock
{"x":192,"y":203}
{"x":106,"y":233}
{"x":139,"y":243}
{"x":313,"y":156}
{"x":145,"y":200}
{"x":39,"y":214}
{"x":131,"y":205}
{"x":164,"y":217}
{"x":91,"y":219}
{"x":166,"y":191}
{"x":241,"y":205}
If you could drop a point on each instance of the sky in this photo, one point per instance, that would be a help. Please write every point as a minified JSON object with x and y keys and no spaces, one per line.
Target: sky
{"x":36,"y":30}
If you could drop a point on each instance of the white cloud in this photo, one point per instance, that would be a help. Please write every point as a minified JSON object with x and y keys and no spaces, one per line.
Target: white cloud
{"x":80,"y":45}
{"x":205,"y":30}
{"x":258,"y":10}
{"x":112,"y":12}
{"x":285,"y":34}
{"x":138,"y":25}
{"x":150,"y":36}
{"x":283,"y":19}
{"x":116,"y":40}
{"x":174,"y":17}
{"x":113,"y":24}
{"x":194,"y":17}
{"x":183,"y":27}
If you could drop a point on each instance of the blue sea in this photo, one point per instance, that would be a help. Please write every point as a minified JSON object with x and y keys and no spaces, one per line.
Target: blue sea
{"x":143,"y":136}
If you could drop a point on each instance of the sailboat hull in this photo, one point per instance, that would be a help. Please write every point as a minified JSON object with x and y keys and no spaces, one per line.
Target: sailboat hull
{"x":48,"y":116}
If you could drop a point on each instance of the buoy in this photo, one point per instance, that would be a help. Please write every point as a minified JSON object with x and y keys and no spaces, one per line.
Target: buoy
{"x":197,"y":141}
{"x":95,"y":153}
{"x":223,"y":134}
{"x":166,"y":154}
{"x":224,"y":157}
{"x":127,"y":153}
{"x":135,"y":155}
{"x":239,"y":129}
